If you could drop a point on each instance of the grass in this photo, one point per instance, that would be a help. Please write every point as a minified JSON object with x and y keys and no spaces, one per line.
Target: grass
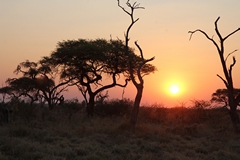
{"x":161,"y":133}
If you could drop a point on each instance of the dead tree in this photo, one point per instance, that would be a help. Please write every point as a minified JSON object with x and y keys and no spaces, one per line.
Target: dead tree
{"x":137,"y":78}
{"x":228,"y":80}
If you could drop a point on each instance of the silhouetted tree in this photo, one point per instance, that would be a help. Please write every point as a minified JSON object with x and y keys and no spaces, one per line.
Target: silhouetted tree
{"x":21,"y":87}
{"x":136,"y":76}
{"x":86,"y":62}
{"x":37,"y":81}
{"x":228,"y":80}
{"x":221,"y":96}
{"x":5,"y":91}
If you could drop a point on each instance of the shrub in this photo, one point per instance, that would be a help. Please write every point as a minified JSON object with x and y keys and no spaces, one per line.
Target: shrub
{"x":26,"y":112}
{"x":70,"y":107}
{"x":114,"y":107}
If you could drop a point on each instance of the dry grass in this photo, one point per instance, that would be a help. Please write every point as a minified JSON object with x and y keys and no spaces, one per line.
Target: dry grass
{"x":168,"y":134}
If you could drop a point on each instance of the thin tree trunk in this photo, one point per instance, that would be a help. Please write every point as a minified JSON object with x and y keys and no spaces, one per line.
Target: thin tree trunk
{"x":234,"y":117}
{"x":50,"y":105}
{"x":233,"y":109}
{"x":136,"y":105}
{"x":90,"y":106}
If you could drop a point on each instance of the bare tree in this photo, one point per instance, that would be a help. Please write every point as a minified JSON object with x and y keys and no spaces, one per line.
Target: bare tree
{"x":136,"y":77}
{"x":228,"y":80}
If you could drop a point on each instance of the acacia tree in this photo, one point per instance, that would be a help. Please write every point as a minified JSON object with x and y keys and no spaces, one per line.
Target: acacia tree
{"x":86,"y":62}
{"x":21,"y":87}
{"x":37,"y":81}
{"x":136,"y":76}
{"x":227,"y":79}
{"x":221,"y":96}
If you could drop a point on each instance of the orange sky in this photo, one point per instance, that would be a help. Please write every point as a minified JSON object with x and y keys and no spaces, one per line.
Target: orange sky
{"x":31,"y":29}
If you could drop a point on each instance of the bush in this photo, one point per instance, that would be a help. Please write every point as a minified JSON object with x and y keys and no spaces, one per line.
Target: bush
{"x":70,"y":107}
{"x":26,"y":112}
{"x":114,"y":107}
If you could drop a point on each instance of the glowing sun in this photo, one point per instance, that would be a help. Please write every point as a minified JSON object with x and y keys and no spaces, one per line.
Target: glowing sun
{"x":174,"y":89}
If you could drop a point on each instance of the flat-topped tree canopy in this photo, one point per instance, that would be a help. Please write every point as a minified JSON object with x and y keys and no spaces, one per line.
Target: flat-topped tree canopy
{"x":87,"y":61}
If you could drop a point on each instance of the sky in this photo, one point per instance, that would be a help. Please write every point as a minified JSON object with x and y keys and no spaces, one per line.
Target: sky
{"x":31,"y":29}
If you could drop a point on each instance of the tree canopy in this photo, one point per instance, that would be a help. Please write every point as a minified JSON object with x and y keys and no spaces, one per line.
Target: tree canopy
{"x":86,"y":62}
{"x":221,"y":96}
{"x":37,"y":82}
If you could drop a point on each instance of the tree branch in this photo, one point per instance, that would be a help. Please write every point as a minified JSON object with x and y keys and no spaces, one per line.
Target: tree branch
{"x":123,"y":7}
{"x":140,"y":77}
{"x":206,"y":35}
{"x":140,"y":50}
{"x":231,"y":66}
{"x":232,"y":33}
{"x":230,"y":54}
{"x":225,"y":82}
{"x":217,"y":31}
{"x":123,"y":85}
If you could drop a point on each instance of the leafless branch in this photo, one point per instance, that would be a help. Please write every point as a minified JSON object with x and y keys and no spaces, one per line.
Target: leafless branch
{"x":231,"y":33}
{"x":199,"y":30}
{"x":216,"y":29}
{"x":225,"y":82}
{"x":206,"y":35}
{"x":231,"y":66}
{"x":140,"y":49}
{"x":136,"y":5}
{"x":123,"y":7}
{"x":230,"y":54}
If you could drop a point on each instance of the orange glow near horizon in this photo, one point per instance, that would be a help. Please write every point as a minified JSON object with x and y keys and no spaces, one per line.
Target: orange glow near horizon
{"x":31,"y":30}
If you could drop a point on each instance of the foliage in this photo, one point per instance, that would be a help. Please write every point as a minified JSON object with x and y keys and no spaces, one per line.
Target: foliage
{"x":221,"y":96}
{"x":115,"y":107}
{"x":21,"y":87}
{"x":201,"y":104}
{"x":37,"y":82}
{"x":86,"y":62}
{"x":71,"y":107}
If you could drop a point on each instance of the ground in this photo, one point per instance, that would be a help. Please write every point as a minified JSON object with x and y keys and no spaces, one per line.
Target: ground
{"x":169,"y":134}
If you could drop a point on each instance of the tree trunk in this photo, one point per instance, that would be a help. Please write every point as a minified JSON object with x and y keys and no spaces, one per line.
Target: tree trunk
{"x":136,"y":104}
{"x":90,"y":106}
{"x":233,"y":113}
{"x":234,"y":117}
{"x":50,"y":105}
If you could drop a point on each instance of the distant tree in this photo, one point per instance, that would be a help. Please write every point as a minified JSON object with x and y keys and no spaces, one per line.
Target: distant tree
{"x":136,"y":76}
{"x":21,"y":87}
{"x":221,"y":96}
{"x":37,"y":81}
{"x":228,"y":80}
{"x":200,"y":104}
{"x":4,"y":91}
{"x":86,"y":62}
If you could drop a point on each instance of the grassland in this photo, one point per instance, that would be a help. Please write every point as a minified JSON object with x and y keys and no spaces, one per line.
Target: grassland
{"x":161,"y":134}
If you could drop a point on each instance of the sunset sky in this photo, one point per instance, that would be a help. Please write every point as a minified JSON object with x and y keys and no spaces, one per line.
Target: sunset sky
{"x":30,"y":29}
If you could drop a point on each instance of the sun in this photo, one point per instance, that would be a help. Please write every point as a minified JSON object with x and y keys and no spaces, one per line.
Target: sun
{"x":174,"y":89}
